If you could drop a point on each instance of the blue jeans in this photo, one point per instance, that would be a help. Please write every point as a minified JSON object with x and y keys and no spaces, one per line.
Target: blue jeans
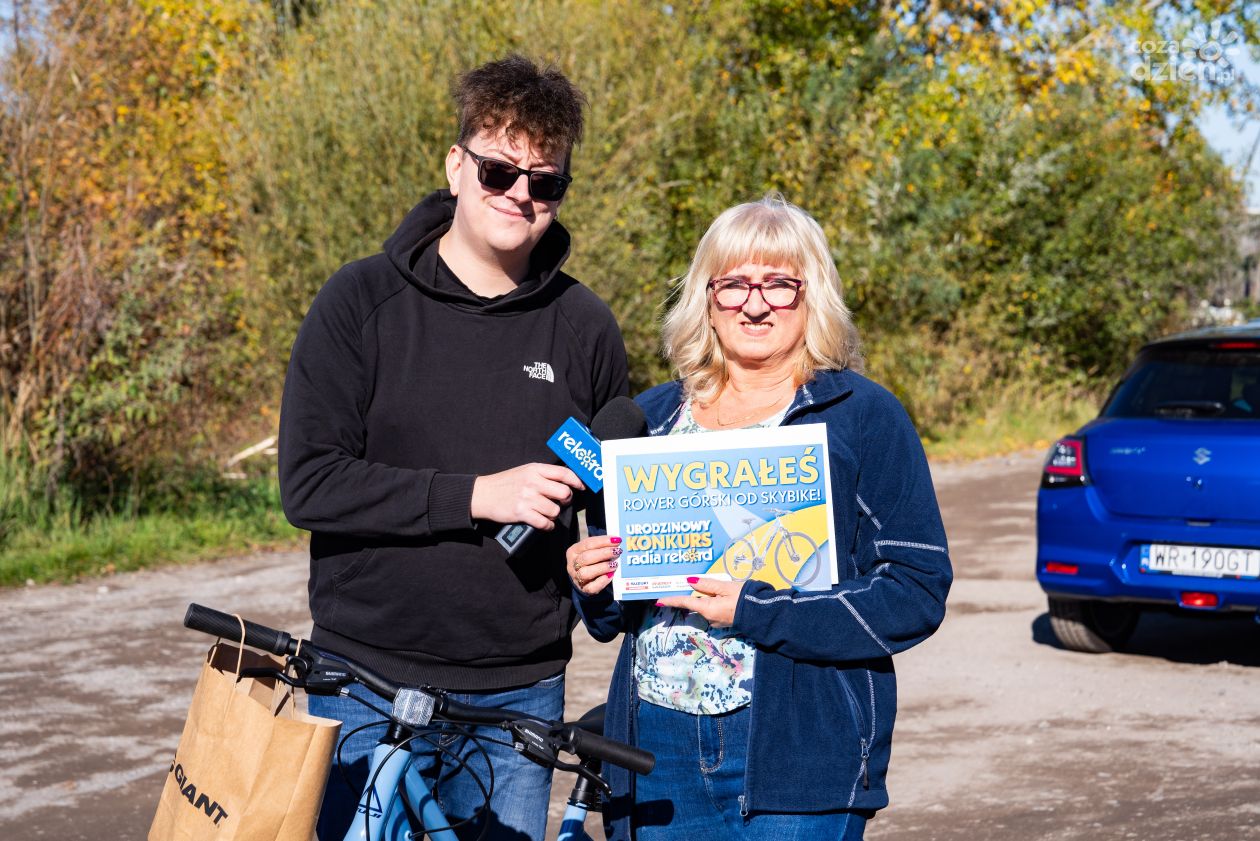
{"x":522,"y":790}
{"x":695,"y":790}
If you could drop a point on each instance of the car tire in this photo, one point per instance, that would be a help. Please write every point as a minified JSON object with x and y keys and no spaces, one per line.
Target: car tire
{"x":1092,"y":627}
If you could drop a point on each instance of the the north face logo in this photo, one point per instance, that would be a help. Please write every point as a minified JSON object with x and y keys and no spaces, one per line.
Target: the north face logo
{"x":540,"y":371}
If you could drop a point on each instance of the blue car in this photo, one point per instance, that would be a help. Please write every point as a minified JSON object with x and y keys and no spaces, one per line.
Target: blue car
{"x":1156,"y":502}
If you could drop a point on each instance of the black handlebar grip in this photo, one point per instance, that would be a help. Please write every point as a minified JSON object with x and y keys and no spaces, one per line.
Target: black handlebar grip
{"x":225,"y":625}
{"x":618,"y":753}
{"x":584,"y":742}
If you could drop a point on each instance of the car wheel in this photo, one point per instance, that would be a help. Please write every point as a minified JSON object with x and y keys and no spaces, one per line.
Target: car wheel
{"x":1092,"y":627}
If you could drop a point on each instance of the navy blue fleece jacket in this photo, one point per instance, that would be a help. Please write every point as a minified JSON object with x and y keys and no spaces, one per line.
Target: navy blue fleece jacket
{"x":824,"y":693}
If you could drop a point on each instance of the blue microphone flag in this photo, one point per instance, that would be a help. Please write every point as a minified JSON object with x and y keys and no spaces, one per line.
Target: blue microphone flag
{"x":580,"y":452}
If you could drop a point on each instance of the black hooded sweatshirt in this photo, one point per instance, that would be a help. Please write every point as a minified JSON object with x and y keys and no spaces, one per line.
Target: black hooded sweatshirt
{"x":403,"y":387}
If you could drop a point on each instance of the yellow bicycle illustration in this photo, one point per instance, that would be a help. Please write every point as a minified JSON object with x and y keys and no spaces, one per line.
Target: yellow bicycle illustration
{"x":789,"y":550}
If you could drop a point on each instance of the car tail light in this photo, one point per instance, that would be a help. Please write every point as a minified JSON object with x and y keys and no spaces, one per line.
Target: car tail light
{"x":1065,"y":466}
{"x":1235,"y":345}
{"x":1062,"y":569}
{"x":1196,"y":599}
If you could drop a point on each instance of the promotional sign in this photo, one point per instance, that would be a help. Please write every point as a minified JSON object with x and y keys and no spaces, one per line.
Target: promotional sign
{"x":751,"y":503}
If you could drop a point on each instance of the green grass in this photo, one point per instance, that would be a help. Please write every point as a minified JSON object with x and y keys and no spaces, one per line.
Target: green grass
{"x":116,"y":543}
{"x":1024,"y":417}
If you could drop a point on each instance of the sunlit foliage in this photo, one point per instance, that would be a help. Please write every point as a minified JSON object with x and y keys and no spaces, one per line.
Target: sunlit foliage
{"x":1009,"y":201}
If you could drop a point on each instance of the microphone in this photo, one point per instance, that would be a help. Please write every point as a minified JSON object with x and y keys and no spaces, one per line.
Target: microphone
{"x":578,"y":448}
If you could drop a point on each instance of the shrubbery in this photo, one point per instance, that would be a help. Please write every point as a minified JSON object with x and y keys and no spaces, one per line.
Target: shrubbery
{"x":1006,"y":205}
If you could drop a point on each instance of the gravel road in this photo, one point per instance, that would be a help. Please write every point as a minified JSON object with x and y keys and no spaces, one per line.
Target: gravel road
{"x":1001,"y":733}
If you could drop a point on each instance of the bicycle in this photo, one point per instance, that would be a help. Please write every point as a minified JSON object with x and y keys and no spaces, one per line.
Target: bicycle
{"x":744,"y":558}
{"x":398,"y":803}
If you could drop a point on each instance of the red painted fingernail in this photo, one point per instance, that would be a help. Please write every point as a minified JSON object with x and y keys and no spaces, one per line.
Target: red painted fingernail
{"x":614,"y":540}
{"x":611,"y":574}
{"x":660,"y":604}
{"x":693,"y":579}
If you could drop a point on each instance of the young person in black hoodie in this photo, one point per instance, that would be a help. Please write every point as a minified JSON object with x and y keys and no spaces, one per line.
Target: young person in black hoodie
{"x":422,"y":388}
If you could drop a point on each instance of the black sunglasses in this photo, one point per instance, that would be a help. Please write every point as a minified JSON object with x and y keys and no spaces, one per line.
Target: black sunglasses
{"x":501,"y":175}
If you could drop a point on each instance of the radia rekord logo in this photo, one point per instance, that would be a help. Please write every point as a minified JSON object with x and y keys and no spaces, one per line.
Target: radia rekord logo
{"x":580,"y":451}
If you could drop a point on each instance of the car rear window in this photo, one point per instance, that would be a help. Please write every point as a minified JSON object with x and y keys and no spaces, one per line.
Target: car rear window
{"x":1190,"y":382}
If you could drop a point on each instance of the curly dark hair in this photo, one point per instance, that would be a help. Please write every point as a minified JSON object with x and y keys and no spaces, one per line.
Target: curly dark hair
{"x":515,"y":95}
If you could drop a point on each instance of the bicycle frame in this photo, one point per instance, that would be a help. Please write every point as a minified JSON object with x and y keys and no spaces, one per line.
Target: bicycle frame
{"x":393,"y":781}
{"x":396,"y":793}
{"x":778,"y":529}
{"x":573,"y":824}
{"x":761,"y":551}
{"x":381,"y":815}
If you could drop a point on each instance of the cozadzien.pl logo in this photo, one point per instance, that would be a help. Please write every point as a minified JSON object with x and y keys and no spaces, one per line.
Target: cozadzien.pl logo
{"x":1205,"y":55}
{"x":540,"y":371}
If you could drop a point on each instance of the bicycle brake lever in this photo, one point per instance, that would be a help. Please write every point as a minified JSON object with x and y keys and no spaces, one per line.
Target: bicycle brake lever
{"x":543,"y":748}
{"x":534,"y":745}
{"x":272,"y":673}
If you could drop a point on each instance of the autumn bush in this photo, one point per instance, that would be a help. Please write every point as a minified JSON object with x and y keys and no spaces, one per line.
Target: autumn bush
{"x":1011,"y":209}
{"x":988,"y":213}
{"x":121,"y":332}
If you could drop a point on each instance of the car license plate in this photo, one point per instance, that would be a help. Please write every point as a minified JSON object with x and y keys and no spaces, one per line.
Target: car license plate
{"x":1209,"y":561}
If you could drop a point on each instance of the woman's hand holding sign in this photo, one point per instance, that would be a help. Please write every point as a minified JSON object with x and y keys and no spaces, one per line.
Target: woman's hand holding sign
{"x":716,"y":601}
{"x":591,"y":562}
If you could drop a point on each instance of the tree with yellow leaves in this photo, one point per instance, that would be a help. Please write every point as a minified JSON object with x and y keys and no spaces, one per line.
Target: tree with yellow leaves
{"x":116,"y":235}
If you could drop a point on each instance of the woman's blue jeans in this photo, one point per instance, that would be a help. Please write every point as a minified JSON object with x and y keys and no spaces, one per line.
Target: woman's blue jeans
{"x":695,"y":790}
{"x":522,"y":789}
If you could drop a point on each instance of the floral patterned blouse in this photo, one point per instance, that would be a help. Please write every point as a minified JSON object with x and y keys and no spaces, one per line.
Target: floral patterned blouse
{"x":683,"y":663}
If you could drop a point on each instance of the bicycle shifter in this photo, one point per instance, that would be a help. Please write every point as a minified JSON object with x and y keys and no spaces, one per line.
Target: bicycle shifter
{"x":533,"y":745}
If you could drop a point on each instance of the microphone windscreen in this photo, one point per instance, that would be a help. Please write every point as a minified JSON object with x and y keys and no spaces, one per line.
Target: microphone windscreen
{"x":621,"y":417}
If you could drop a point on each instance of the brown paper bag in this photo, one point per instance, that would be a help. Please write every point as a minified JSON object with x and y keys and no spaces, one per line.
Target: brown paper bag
{"x":249,"y":766}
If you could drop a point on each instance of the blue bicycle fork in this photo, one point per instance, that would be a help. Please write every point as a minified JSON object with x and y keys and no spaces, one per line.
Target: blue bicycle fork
{"x":381,"y":811}
{"x":383,"y":816}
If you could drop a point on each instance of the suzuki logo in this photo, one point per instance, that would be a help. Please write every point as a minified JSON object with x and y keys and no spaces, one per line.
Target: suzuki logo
{"x":1202,"y":456}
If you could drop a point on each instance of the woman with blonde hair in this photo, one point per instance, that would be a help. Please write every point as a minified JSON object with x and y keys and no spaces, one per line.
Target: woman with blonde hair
{"x":770,"y":711}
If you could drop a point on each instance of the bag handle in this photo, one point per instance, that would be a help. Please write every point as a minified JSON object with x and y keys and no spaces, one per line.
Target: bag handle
{"x":240,"y":662}
{"x":240,"y":650}
{"x":280,"y":693}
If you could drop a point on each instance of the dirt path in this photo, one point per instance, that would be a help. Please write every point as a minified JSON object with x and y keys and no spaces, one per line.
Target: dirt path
{"x":1001,"y":734}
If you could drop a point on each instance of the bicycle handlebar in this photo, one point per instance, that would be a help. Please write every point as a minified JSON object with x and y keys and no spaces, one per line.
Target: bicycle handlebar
{"x":225,"y":625}
{"x":586,"y":743}
{"x":583,"y":742}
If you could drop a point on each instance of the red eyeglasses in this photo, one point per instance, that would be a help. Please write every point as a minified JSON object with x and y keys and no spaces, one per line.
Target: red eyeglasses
{"x":732,"y":293}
